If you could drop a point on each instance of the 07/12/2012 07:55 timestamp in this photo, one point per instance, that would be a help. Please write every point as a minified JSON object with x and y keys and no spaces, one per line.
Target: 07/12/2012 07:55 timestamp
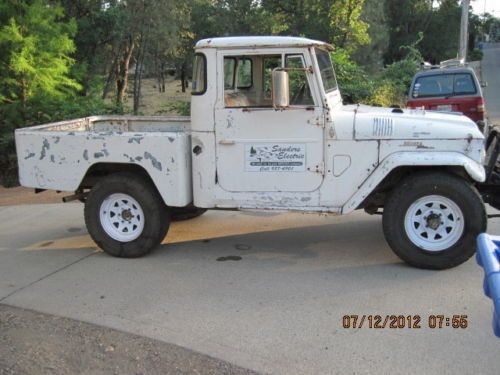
{"x":355,"y":321}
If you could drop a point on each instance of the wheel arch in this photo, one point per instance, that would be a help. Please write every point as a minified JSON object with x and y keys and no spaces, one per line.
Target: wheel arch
{"x":396,"y":166}
{"x":98,"y":171}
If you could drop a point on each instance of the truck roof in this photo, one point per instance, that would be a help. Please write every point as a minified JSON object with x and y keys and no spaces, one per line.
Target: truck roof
{"x":260,"y":41}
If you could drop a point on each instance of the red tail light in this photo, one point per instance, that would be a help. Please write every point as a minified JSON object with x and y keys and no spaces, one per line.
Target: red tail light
{"x":480,"y":105}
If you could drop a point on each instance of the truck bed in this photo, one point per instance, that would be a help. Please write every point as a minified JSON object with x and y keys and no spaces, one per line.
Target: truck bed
{"x":59,"y":155}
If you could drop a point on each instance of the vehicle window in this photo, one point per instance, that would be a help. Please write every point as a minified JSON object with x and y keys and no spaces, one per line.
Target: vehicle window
{"x":199,"y":84}
{"x":326,"y":70}
{"x":244,"y":87}
{"x":229,"y":70}
{"x":244,"y":73}
{"x":443,"y":85}
{"x":438,"y":85}
{"x":300,"y":93}
{"x":464,"y":84}
{"x":270,"y":63}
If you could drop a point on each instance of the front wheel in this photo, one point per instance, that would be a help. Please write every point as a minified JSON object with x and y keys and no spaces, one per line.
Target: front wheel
{"x":431,"y":220}
{"x":125,"y":215}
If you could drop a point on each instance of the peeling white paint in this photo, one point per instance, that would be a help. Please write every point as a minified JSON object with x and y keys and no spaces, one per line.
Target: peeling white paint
{"x":76,"y":145}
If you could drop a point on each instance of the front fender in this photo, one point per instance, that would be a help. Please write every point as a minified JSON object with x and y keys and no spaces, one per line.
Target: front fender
{"x":435,"y":159}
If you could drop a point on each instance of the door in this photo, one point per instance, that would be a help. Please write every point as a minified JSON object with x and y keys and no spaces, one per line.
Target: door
{"x":260,"y":149}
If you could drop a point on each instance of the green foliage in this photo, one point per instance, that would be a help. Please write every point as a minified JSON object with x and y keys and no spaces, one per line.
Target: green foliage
{"x":395,"y":80}
{"x":370,"y":56}
{"x":179,"y":107}
{"x":349,"y":30}
{"x":354,"y":83}
{"x":389,"y":88}
{"x":439,"y":25}
{"x":37,"y":48}
{"x":38,"y":110}
{"x":338,"y":22}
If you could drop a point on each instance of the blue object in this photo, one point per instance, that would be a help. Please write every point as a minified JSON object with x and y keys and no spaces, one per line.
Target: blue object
{"x":488,"y":257}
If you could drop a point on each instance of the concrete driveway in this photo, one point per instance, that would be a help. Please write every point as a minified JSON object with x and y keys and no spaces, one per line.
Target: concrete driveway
{"x":278,"y":310}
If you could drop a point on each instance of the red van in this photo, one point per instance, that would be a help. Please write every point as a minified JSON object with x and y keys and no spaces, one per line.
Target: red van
{"x":450,"y":89}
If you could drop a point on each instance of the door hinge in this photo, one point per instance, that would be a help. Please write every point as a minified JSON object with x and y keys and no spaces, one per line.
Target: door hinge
{"x":319,"y":168}
{"x":317,"y":121}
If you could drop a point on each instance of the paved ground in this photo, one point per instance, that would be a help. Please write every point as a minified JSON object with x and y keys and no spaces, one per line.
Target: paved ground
{"x":279,"y":309}
{"x":35,"y":343}
{"x":491,"y":74}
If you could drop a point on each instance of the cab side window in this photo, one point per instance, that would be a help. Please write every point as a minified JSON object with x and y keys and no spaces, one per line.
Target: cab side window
{"x":248,"y":80}
{"x":244,"y":73}
{"x":229,"y":71}
{"x":269,"y":64}
{"x":300,"y":93}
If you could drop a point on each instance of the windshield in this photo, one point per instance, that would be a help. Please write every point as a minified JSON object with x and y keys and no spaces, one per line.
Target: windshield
{"x":326,"y":70}
{"x":444,"y":85}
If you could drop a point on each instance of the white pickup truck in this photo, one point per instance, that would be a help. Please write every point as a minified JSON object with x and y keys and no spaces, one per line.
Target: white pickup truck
{"x":268,"y":130}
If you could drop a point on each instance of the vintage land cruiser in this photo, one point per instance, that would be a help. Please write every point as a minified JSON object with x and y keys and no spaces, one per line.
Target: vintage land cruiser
{"x":268,"y":130}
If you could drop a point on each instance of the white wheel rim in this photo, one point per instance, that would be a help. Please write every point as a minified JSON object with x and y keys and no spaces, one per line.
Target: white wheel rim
{"x":434,"y":223}
{"x":122,"y":217}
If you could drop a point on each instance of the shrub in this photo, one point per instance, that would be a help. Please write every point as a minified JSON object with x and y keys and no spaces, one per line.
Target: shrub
{"x":353,"y":81}
{"x":476,"y":55}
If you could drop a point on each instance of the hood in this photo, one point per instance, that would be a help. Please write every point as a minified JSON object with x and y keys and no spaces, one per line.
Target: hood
{"x":389,"y":123}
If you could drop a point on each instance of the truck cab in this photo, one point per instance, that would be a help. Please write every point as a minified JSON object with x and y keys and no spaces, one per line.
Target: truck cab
{"x":312,"y":153}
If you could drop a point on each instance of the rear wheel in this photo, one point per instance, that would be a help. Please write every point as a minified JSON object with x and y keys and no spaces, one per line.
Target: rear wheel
{"x":126,"y":216}
{"x":431,"y":220}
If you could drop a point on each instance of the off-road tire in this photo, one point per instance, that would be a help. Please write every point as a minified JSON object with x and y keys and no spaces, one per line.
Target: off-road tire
{"x":424,"y":184}
{"x":186,"y":213}
{"x":156,"y":215}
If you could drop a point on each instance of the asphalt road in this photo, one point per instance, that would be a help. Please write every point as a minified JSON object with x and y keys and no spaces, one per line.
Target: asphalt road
{"x":491,"y":74}
{"x":277,"y":310}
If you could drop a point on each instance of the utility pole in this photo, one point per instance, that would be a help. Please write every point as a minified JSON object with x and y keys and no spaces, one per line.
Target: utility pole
{"x":464,"y":30}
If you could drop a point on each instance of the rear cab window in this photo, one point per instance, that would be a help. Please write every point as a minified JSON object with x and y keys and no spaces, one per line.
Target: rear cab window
{"x":199,"y":83}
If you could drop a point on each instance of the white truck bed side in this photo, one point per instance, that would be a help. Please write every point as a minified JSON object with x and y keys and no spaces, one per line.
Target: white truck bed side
{"x":57,"y":156}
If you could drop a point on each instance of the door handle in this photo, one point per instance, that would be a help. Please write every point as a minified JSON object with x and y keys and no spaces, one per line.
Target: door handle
{"x":226,"y":142}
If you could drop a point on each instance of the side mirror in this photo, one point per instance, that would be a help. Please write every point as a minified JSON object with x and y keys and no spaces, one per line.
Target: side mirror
{"x":281,"y":89}
{"x":484,"y":84}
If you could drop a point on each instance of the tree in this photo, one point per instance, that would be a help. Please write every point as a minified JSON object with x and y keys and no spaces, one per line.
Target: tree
{"x":335,"y":21}
{"x":405,"y":20}
{"x":349,"y":31}
{"x":371,"y":55}
{"x":36,"y":52}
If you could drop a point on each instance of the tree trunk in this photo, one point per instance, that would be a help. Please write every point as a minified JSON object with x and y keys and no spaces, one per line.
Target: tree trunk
{"x":122,"y":70}
{"x":183,"y":77}
{"x":24,"y":93}
{"x":138,"y":71}
{"x":161,"y":76}
{"x":109,"y":79}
